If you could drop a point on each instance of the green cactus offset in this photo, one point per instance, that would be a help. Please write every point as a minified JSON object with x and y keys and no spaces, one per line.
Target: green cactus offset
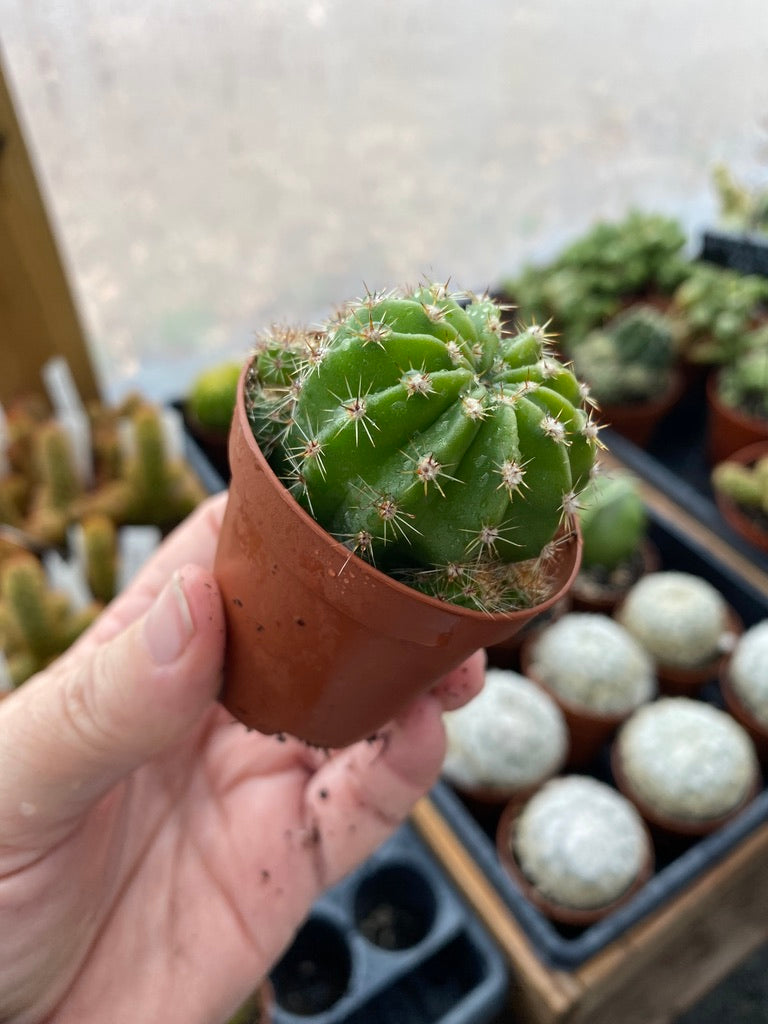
{"x":412,"y":430}
{"x":613,"y":519}
{"x":746,"y":486}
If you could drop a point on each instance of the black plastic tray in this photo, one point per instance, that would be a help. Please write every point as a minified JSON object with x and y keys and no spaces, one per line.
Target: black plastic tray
{"x":747,"y":253}
{"x":678,"y":863}
{"x":450,"y":972}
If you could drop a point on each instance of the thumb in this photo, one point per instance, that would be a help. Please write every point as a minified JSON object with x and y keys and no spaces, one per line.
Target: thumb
{"x":72,"y":732}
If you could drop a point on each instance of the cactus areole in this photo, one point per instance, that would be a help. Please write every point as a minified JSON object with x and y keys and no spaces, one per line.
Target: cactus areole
{"x":423,"y":455}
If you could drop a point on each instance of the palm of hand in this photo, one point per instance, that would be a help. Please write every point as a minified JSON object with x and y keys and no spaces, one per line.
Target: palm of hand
{"x":170,"y":891}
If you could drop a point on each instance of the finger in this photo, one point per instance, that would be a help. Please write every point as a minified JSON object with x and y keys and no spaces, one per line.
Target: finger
{"x":360,"y":796}
{"x":193,"y":541}
{"x":72,"y":732}
{"x":462,"y":684}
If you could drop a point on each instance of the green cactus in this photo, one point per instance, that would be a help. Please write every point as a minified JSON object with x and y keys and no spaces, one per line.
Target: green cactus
{"x":743,"y":384}
{"x":58,"y":485}
{"x":152,"y":487}
{"x":613,"y":520}
{"x":98,"y":543}
{"x":631,"y":359}
{"x":36,"y":623}
{"x":417,"y":434}
{"x":741,"y":208}
{"x":211,"y":399}
{"x":747,"y":486}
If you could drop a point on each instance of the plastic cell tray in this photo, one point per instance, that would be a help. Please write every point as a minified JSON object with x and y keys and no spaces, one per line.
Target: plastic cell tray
{"x":677,"y":862}
{"x":394,"y":943}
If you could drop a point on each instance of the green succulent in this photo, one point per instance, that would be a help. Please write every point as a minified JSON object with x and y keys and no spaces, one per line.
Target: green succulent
{"x":428,"y":442}
{"x":744,"y":485}
{"x":613,"y":519}
{"x":590,"y":280}
{"x":716,"y":310}
{"x":743,"y":384}
{"x":211,"y":399}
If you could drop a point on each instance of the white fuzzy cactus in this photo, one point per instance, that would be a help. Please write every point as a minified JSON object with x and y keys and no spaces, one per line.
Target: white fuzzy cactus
{"x":686,"y":759}
{"x":592,"y":662}
{"x":506,"y":740}
{"x":680,"y":619}
{"x":580,"y":843}
{"x":748,"y":671}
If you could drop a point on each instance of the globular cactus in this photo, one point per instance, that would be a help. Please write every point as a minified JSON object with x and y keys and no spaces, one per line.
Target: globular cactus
{"x":680,"y":619}
{"x":743,"y":384}
{"x":746,"y":670}
{"x":36,"y":623}
{"x":746,"y":486}
{"x":613,"y":520}
{"x":417,"y":434}
{"x":631,"y":359}
{"x":211,"y":399}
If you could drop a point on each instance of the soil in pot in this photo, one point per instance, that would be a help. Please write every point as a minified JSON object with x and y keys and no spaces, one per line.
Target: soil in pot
{"x":638,"y":421}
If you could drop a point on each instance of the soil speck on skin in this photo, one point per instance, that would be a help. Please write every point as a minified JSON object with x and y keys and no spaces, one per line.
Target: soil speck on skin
{"x":259,"y":628}
{"x":265,"y":875}
{"x":237,"y":601}
{"x":312,"y":838}
{"x":300,"y":622}
{"x":323,"y":794}
{"x":281,"y":737}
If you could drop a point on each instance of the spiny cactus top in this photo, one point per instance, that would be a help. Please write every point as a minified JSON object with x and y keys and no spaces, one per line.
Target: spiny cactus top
{"x":419,"y":435}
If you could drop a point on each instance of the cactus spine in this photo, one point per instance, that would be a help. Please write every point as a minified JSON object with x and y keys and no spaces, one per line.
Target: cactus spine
{"x":420,"y":436}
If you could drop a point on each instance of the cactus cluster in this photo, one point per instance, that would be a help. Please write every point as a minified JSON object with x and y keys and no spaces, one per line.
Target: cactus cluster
{"x":36,"y":623}
{"x":414,"y":431}
{"x":631,"y":359}
{"x":595,"y":275}
{"x":716,"y":310}
{"x":741,"y":208}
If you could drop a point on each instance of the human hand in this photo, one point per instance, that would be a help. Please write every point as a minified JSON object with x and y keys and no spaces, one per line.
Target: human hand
{"x":155,"y":857}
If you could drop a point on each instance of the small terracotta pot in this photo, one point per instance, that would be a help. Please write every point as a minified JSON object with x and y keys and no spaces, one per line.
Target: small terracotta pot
{"x":603,"y":601}
{"x":729,"y":430}
{"x":588,"y":730}
{"x":757,"y":730}
{"x":557,"y":911}
{"x":320,"y":644}
{"x":675,"y":827}
{"x":737,"y":517}
{"x":637,"y":420}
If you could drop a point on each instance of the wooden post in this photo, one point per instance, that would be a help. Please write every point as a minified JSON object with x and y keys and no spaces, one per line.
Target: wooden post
{"x":38,"y":318}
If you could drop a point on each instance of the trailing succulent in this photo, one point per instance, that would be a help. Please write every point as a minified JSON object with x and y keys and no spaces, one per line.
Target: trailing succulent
{"x":432,"y":445}
{"x":631,"y":359}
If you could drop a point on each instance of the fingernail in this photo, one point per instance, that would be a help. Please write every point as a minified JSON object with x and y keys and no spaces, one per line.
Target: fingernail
{"x":168,"y":626}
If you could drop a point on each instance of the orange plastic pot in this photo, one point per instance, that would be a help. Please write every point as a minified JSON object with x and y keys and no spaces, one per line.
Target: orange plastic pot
{"x":737,"y":517}
{"x":320,"y":644}
{"x":637,"y":421}
{"x":728,"y":429}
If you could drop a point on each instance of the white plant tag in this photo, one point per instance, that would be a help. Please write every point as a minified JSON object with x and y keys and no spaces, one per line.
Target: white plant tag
{"x":78,"y":428}
{"x":173,"y":434}
{"x":61,"y":387}
{"x":6,"y":684}
{"x":135,"y":545}
{"x":68,"y":577}
{"x":5,"y":466}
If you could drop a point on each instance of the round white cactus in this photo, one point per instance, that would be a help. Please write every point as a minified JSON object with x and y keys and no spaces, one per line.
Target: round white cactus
{"x":508,"y":739}
{"x":686,"y":759}
{"x":580,"y":843}
{"x":748,"y":671}
{"x":681,"y":619}
{"x":591,"y":661}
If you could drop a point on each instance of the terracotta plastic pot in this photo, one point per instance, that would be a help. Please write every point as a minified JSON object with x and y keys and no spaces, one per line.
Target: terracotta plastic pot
{"x":664,"y":823}
{"x":637,"y":421}
{"x":737,"y":517}
{"x":744,"y":716}
{"x":320,"y":644}
{"x":729,"y":430}
{"x":558,"y":911}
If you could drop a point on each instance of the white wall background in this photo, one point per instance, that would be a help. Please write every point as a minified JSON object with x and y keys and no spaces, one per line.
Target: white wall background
{"x":212,"y":167}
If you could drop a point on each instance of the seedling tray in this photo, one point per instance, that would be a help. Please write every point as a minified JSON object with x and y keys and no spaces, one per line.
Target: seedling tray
{"x":394,"y":943}
{"x":745,"y":252}
{"x":677,"y":863}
